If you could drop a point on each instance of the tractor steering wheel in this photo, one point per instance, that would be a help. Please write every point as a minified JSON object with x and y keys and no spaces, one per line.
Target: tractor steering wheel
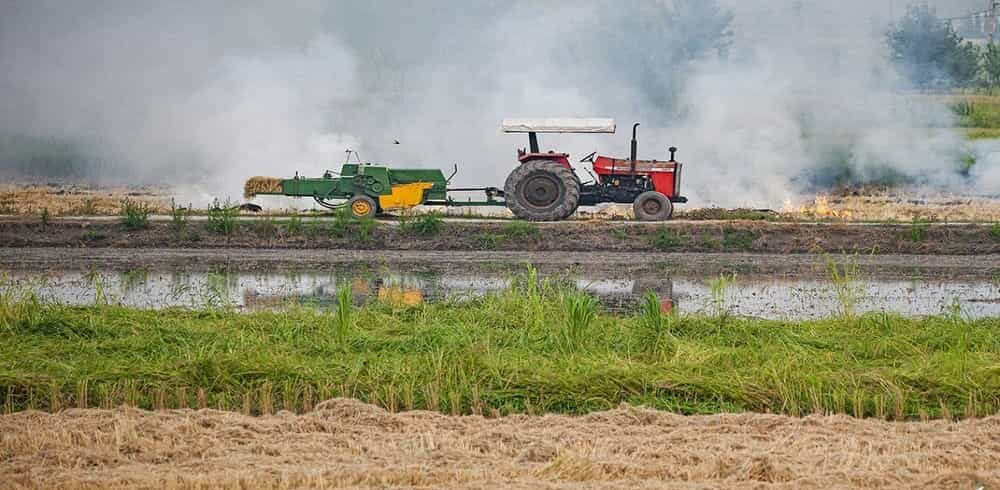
{"x":589,"y":158}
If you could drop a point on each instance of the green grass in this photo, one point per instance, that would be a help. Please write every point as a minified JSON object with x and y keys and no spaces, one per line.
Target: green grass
{"x":982,"y":133}
{"x":667,"y":239}
{"x":536,"y":347}
{"x":520,"y":230}
{"x":135,"y":214}
{"x":918,"y":230}
{"x":223,"y":217}
{"x":977,"y":112}
{"x":266,"y":227}
{"x":294,"y":225}
{"x":346,"y":225}
{"x":514,"y":232}
{"x":179,"y":218}
{"x":734,"y":239}
{"x":427,"y":224}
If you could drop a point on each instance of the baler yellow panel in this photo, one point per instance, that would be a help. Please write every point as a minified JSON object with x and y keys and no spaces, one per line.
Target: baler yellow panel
{"x":400,"y":296}
{"x":404,"y":196}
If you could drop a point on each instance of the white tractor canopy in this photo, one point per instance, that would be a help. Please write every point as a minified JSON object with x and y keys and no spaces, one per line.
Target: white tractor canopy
{"x":558,"y":125}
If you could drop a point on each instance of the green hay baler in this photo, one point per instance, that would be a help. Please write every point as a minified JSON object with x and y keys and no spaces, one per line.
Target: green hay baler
{"x":368,"y":189}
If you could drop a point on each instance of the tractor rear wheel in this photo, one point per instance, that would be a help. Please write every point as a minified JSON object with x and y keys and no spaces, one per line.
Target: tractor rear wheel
{"x":540,"y":190}
{"x":362,"y":207}
{"x":652,"y":206}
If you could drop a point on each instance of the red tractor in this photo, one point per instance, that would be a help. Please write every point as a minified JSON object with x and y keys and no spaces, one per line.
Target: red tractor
{"x":544,"y":187}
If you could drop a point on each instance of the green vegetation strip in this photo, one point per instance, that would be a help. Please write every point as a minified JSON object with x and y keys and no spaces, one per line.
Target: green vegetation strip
{"x":537,"y":347}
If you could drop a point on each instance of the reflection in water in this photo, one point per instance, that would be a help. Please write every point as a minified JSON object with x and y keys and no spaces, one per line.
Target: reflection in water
{"x":767,"y":298}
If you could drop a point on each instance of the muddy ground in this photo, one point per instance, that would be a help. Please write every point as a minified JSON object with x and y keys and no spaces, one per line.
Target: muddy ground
{"x":344,"y":443}
{"x":711,"y":236}
{"x":617,"y":264}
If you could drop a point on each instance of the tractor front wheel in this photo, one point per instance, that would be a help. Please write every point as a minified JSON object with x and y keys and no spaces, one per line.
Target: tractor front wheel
{"x":362,"y":207}
{"x":652,"y":206}
{"x":540,"y":190}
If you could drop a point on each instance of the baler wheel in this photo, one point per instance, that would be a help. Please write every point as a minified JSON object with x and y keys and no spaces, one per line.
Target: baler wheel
{"x":652,"y":206}
{"x":362,"y":207}
{"x":540,"y":190}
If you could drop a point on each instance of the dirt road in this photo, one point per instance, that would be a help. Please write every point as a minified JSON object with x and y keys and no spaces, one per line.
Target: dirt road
{"x":345,"y":443}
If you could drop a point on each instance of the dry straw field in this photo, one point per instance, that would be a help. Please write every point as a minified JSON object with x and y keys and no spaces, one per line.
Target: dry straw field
{"x":344,"y":443}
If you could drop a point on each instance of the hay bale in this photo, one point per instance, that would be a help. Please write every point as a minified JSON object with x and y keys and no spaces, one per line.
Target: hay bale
{"x":262,"y":185}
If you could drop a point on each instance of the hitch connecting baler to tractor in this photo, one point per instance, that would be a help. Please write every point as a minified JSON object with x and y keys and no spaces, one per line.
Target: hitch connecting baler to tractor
{"x":543,"y":187}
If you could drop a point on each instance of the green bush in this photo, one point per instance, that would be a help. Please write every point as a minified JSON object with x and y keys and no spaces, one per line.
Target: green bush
{"x":135,"y":214}
{"x":223,"y":218}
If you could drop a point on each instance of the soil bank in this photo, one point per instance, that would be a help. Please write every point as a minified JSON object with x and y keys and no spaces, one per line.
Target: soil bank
{"x":597,"y":236}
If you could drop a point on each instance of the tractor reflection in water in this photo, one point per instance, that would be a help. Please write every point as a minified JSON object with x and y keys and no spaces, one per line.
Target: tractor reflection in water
{"x":615,"y":295}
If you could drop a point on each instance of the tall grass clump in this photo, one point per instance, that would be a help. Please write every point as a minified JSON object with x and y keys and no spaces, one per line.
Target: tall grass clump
{"x":654,"y":333}
{"x":580,"y":311}
{"x":719,"y":288}
{"x":223,"y":217}
{"x":343,"y":315}
{"x":294,"y":225}
{"x":135,"y":214}
{"x":266,"y":227}
{"x":365,"y":228}
{"x":345,"y":225}
{"x":918,"y":230}
{"x":179,"y":218}
{"x":843,"y":279}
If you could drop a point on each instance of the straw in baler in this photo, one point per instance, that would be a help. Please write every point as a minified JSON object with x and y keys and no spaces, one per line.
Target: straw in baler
{"x":261,"y":185}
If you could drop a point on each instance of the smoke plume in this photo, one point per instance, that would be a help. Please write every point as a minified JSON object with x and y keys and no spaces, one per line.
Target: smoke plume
{"x":794,"y":96}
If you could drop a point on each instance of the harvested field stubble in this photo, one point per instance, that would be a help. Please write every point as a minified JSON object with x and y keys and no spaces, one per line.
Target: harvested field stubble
{"x":344,"y":443}
{"x":75,"y":200}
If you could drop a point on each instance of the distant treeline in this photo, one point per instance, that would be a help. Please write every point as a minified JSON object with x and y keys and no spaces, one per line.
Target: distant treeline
{"x":933,"y":56}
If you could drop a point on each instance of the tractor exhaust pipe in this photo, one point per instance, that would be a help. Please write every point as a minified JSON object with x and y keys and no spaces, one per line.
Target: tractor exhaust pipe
{"x":635,"y":146}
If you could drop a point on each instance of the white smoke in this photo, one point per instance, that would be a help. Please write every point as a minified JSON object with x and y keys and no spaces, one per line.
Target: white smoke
{"x":209,"y":93}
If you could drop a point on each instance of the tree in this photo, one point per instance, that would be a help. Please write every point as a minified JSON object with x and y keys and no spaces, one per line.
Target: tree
{"x":929,"y":52}
{"x":991,"y":64}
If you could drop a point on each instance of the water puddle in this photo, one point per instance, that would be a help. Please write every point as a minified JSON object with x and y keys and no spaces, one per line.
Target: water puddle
{"x":776,"y":298}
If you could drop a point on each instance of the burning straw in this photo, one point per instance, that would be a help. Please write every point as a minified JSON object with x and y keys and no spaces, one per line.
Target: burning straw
{"x":261,"y":185}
